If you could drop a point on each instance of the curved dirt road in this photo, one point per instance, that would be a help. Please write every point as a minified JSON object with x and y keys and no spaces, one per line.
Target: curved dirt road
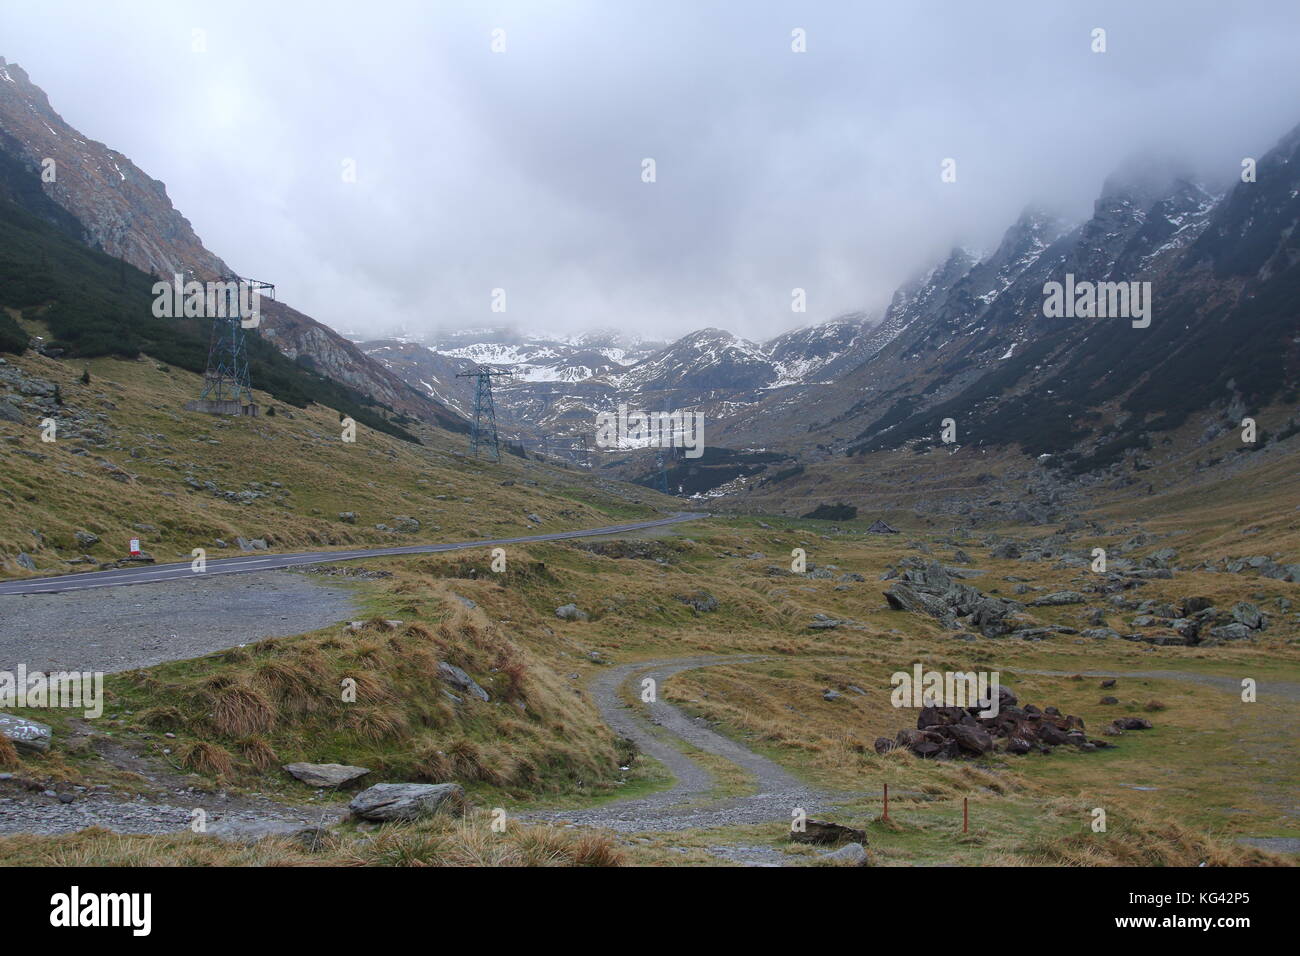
{"x":687,"y":804}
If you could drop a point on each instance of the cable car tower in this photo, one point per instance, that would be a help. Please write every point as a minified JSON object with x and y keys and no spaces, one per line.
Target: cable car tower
{"x":227,"y":387}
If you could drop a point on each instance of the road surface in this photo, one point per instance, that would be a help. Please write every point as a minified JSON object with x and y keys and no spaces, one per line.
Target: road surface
{"x":151,"y":573}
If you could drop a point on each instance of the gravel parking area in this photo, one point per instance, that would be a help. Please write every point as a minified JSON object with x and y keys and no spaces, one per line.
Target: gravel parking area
{"x":117,"y":629}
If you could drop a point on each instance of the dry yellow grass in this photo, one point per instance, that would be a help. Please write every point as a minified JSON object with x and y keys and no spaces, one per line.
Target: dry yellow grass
{"x":440,"y":841}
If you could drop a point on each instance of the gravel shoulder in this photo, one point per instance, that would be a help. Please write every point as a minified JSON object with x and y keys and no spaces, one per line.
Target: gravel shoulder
{"x":117,"y":629}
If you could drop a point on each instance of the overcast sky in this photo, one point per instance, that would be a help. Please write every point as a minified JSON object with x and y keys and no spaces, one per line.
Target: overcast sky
{"x":522,"y":170}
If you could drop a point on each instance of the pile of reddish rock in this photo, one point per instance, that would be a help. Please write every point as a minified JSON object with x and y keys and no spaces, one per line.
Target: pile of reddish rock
{"x":961,"y":731}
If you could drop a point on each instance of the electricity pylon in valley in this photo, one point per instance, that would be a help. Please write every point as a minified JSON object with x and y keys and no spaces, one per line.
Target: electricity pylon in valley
{"x":483,"y":433}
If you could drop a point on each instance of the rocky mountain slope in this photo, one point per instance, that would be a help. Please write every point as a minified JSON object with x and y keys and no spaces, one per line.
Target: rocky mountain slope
{"x":124,"y":212}
{"x":559,"y":385}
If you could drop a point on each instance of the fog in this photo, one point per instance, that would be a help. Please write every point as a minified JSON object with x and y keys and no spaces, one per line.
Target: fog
{"x":522,"y":170}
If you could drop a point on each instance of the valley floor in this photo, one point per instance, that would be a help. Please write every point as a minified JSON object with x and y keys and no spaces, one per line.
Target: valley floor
{"x":771,"y":690}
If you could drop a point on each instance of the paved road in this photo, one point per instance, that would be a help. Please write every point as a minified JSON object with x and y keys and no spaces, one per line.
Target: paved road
{"x":150,"y":573}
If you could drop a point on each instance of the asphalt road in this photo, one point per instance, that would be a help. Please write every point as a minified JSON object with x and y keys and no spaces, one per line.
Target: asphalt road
{"x":150,"y":573}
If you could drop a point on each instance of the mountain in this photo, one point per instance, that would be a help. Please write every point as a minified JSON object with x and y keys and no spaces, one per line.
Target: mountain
{"x":969,"y":340}
{"x":123,"y":212}
{"x":559,"y":384}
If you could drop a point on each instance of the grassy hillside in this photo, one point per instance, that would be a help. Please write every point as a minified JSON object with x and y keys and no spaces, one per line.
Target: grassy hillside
{"x":129,"y":461}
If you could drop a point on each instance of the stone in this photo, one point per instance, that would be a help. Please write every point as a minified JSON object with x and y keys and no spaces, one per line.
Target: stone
{"x":348,"y":517}
{"x":901,"y":597}
{"x":1230,"y":632}
{"x":406,"y":524}
{"x":29,"y":736}
{"x":407,"y":801}
{"x":570,"y":612}
{"x":1248,"y":614}
{"x":324,"y":774}
{"x":831,"y":695}
{"x":462,"y":681}
{"x":701,"y":601}
{"x":1131,"y":723}
{"x":25,"y":561}
{"x":851,"y":854}
{"x":1058,"y":598}
{"x":974,"y":740}
{"x":825,"y":832}
{"x":1100,"y":633}
{"x":86,"y":539}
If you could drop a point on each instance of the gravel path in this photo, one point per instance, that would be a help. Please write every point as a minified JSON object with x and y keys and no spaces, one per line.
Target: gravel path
{"x":32,"y":806}
{"x":119,"y":629}
{"x":687,"y":804}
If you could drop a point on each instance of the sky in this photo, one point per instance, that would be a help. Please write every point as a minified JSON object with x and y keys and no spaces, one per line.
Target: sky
{"x":522,"y":168}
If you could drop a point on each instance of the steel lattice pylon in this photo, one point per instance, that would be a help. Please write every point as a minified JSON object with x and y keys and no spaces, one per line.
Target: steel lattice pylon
{"x":226,"y":378}
{"x":483,"y":433}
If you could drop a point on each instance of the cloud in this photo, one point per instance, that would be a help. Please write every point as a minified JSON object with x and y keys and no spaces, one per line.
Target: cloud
{"x":522,"y":170}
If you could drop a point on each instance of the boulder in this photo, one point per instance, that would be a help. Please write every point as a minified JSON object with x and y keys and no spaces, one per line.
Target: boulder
{"x":701,"y":601}
{"x":459,"y":679}
{"x":902,"y":597}
{"x":570,"y":612}
{"x":1230,"y":632}
{"x":851,"y":854}
{"x":406,"y":524}
{"x":1243,"y":612}
{"x":348,"y":517}
{"x":407,"y":801}
{"x":824,"y":832}
{"x":1131,"y":723}
{"x":29,"y":736}
{"x":324,"y":774}
{"x":974,"y":740}
{"x":1059,"y":598}
{"x":86,"y":539}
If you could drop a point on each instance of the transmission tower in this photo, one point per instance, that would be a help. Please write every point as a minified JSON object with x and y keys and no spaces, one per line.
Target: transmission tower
{"x":661,"y":463}
{"x":227,"y":387}
{"x":584,"y":453}
{"x":484,"y":432}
